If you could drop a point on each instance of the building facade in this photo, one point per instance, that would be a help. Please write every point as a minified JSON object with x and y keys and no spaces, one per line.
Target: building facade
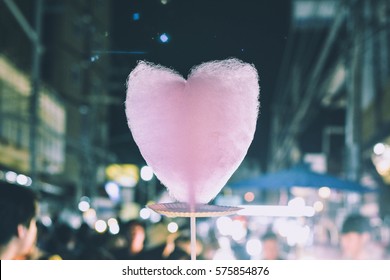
{"x":71,"y":125}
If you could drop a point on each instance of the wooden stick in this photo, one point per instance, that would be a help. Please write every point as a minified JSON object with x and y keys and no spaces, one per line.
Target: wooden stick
{"x":193,"y":237}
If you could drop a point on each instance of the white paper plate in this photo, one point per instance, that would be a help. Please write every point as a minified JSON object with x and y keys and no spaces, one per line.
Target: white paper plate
{"x":179,"y":209}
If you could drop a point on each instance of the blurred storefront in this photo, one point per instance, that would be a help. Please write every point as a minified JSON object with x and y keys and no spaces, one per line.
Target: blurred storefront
{"x":332,"y":99}
{"x":15,"y":124}
{"x":53,"y":46}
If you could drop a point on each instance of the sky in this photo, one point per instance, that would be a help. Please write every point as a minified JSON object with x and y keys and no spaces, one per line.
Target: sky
{"x":254,"y":31}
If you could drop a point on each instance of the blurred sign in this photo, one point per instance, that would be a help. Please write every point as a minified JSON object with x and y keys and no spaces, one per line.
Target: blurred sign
{"x":126,"y":175}
{"x":313,"y":13}
{"x":129,"y":211}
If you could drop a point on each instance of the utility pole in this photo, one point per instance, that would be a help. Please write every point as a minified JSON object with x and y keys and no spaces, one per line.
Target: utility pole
{"x":89,"y":111}
{"x":34,"y":34}
{"x":34,"y":97}
{"x":354,"y":89}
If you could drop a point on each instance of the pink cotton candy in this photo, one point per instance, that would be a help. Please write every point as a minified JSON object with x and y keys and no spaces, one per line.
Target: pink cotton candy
{"x":194,"y":133}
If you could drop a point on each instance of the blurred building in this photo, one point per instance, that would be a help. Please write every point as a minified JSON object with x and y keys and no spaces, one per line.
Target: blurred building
{"x":15,"y":123}
{"x":333,"y":93}
{"x":77,"y":39}
{"x":64,"y":62}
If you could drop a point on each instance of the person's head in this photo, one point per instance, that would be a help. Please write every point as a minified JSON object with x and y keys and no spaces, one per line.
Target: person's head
{"x":18,"y":230}
{"x":354,"y":236}
{"x":135,"y":233}
{"x":270,"y":246}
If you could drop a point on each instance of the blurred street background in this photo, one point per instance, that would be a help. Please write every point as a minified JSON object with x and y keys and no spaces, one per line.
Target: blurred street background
{"x":322,"y":142}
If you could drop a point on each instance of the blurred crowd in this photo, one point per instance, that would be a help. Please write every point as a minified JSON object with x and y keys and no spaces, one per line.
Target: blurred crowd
{"x":23,"y":237}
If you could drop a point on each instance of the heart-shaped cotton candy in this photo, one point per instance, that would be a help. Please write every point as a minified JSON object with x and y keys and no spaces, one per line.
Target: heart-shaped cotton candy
{"x":194,"y":133}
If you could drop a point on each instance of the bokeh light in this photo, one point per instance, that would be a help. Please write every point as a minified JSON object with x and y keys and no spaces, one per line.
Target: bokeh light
{"x":90,"y":217}
{"x":112,"y":221}
{"x":84,"y":206}
{"x":238,"y":231}
{"x":318,"y":206}
{"x":379,"y":149}
{"x":224,"y":225}
{"x":136,"y":16}
{"x":22,"y":179}
{"x":164,"y":38}
{"x":113,"y":226}
{"x":100,"y":226}
{"x":155,"y":217}
{"x":145,"y":213}
{"x":324,"y":192}
{"x":46,"y":221}
{"x":254,"y":247}
{"x":146,"y":173}
{"x":297,"y":202}
{"x":112,"y":190}
{"x":10,"y":176}
{"x":249,"y":196}
{"x":172,"y":227}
